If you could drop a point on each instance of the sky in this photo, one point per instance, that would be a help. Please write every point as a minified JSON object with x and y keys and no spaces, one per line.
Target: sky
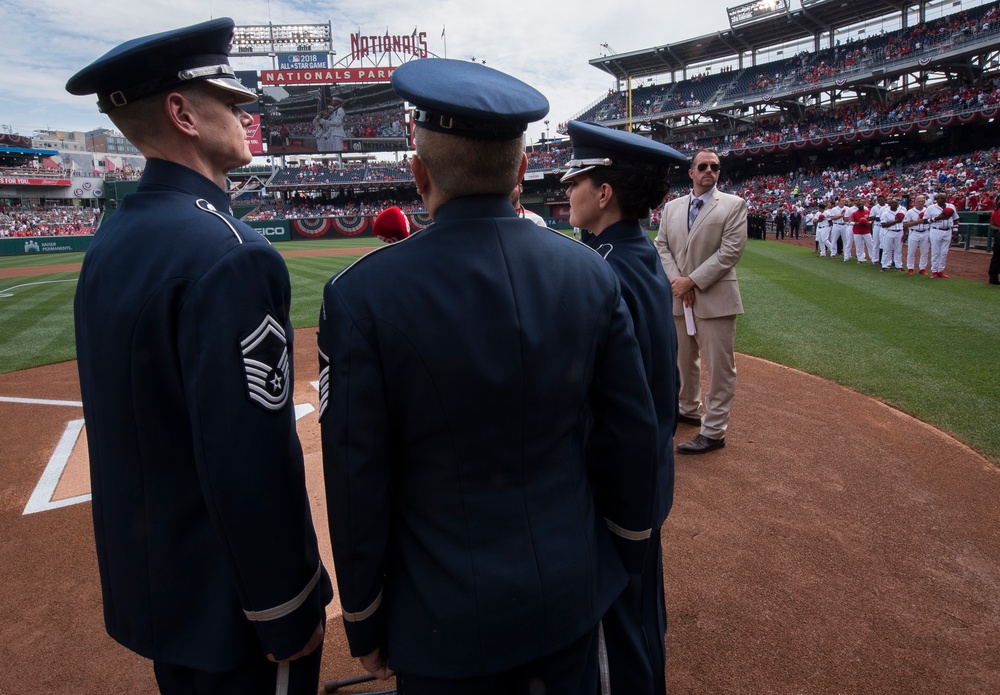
{"x":545,"y":43}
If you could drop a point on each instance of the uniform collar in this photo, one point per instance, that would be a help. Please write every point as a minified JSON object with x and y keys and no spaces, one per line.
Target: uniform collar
{"x":160,"y":174}
{"x":475,"y":207}
{"x":622,"y":230}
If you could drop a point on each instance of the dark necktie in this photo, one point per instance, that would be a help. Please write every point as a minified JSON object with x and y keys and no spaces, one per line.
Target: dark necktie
{"x":693,"y":211}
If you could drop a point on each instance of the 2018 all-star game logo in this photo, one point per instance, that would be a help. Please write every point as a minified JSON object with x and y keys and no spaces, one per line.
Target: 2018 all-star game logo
{"x":265,"y":362}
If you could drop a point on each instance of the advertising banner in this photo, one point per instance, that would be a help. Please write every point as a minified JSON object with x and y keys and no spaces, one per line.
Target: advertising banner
{"x":31,"y":246}
{"x":28,"y":181}
{"x":272,"y":230}
{"x":254,"y":139}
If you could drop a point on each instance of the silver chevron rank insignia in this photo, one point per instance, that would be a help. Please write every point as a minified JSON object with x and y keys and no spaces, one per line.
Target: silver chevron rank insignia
{"x":265,"y":361}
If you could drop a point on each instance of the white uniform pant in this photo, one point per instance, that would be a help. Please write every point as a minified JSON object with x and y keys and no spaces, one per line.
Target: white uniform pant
{"x":847,"y":233}
{"x":838,"y":233}
{"x":917,"y":240}
{"x":876,"y":238}
{"x":940,"y":243}
{"x":823,"y":239}
{"x":863,"y":242}
{"x":892,"y":248}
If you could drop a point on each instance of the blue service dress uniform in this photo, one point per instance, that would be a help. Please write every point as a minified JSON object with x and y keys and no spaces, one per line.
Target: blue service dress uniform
{"x":473,"y":529}
{"x":205,"y":544}
{"x":636,"y":650}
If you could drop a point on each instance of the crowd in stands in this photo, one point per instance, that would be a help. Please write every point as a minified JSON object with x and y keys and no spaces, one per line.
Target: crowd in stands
{"x":806,"y":68}
{"x":549,"y":159}
{"x":311,"y":209}
{"x":36,"y":172}
{"x":376,"y":124}
{"x":124,"y":173}
{"x":970,"y":181}
{"x":283,"y":133}
{"x":898,"y":45}
{"x":50,"y":220}
{"x":331,"y":174}
{"x":916,"y":106}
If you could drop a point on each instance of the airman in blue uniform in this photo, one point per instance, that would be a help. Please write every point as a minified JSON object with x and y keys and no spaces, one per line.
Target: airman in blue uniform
{"x":207,"y":553}
{"x":614,"y":179}
{"x":479,"y":534}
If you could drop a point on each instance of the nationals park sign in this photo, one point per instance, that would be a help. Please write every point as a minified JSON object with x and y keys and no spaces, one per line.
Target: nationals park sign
{"x":370,"y":47}
{"x":325,"y":76}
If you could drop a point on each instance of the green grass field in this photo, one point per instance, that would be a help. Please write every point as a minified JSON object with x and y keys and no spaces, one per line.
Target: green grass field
{"x":928,"y":348}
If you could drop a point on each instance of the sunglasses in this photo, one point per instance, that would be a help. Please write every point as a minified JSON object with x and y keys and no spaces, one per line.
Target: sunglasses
{"x":706,"y":165}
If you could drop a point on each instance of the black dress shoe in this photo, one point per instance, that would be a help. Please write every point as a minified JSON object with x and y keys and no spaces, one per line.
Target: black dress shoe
{"x":688,"y":420}
{"x":700,"y":444}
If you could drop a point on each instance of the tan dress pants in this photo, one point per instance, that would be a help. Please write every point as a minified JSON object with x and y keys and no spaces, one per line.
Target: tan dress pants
{"x":715,"y":344}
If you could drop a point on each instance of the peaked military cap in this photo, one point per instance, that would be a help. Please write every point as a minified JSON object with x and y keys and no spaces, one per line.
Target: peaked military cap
{"x":460,"y":97}
{"x":160,"y":62}
{"x":598,"y":146}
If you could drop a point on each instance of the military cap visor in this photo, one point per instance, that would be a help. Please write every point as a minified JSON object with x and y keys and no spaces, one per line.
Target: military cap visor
{"x":598,"y":146}
{"x":161,"y":62}
{"x":464,"y":98}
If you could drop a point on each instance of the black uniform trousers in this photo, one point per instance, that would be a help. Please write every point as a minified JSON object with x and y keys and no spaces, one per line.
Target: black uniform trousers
{"x":260,"y":677}
{"x":637,"y":654}
{"x":635,"y":625}
{"x":570,"y":671}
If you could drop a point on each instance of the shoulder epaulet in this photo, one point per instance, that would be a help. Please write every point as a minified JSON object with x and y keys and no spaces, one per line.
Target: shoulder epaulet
{"x":206,"y":206}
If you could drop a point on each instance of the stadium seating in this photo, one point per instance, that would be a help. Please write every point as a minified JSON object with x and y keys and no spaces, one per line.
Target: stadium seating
{"x":47,"y":220}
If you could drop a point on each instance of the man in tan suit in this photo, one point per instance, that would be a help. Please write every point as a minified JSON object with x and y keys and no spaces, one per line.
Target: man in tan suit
{"x":701,"y":238}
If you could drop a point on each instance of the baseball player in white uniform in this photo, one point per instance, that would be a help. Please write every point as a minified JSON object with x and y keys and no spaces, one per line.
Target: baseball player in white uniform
{"x":823,"y":226}
{"x":941,"y":217}
{"x":892,"y":235}
{"x":847,"y":228}
{"x":875,"y":215}
{"x":918,"y":237}
{"x":836,"y":215}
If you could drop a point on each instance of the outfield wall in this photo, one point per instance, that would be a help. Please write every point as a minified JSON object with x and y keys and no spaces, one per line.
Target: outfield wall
{"x":359,"y":226}
{"x":33,"y":246}
{"x":273,"y":230}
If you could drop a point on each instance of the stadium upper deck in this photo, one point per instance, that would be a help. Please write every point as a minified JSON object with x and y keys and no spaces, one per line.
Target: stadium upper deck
{"x":835,"y":46}
{"x":814,"y":21}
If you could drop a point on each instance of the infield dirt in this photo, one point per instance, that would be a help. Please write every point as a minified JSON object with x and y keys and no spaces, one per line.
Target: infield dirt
{"x":835,"y":545}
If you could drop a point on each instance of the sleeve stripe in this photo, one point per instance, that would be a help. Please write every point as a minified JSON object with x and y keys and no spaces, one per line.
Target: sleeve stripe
{"x":288,"y":607}
{"x":626,"y":534}
{"x":324,"y":383}
{"x":366,"y":613}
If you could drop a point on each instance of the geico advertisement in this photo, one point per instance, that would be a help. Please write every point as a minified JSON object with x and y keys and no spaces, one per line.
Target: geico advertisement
{"x":273,"y":230}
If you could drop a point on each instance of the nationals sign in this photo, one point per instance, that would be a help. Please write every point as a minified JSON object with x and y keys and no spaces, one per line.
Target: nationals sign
{"x":329,"y":76}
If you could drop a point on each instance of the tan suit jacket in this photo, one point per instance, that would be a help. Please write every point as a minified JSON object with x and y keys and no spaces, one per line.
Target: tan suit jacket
{"x":707,"y":254}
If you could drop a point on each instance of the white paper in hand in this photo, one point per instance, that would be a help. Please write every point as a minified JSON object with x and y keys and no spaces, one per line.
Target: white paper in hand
{"x":689,"y":319}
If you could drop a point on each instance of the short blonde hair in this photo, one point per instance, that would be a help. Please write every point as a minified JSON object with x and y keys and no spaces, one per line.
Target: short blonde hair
{"x":143,"y":121}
